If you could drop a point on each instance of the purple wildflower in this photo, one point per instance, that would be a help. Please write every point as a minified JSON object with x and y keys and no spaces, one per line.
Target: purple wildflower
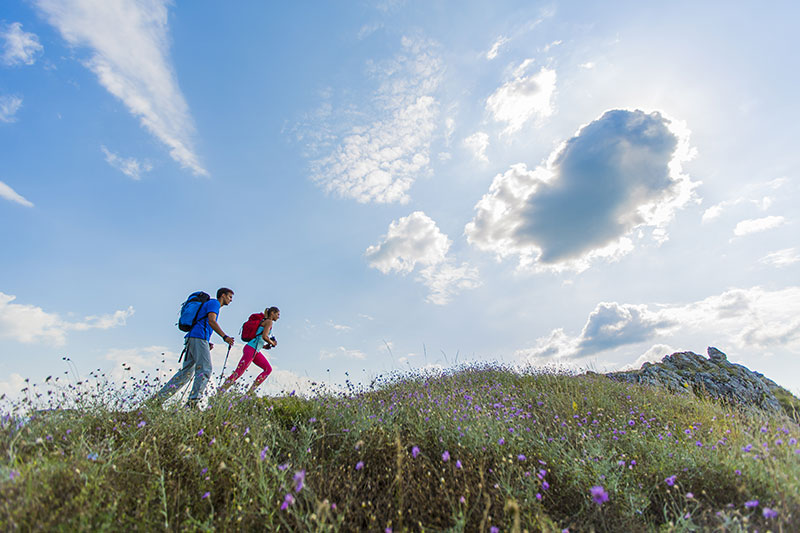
{"x":670,"y":480}
{"x":299,"y":478}
{"x":770,"y":513}
{"x":283,"y":467}
{"x":747,"y":448}
{"x":458,"y":464}
{"x":415,"y":452}
{"x":359,"y":465}
{"x":141,"y":424}
{"x":545,"y":485}
{"x":200,"y":433}
{"x":521,"y":457}
{"x":599,"y":495}
{"x":501,"y":441}
{"x":750,"y":504}
{"x":446,"y":456}
{"x":206,"y":495}
{"x":264,"y":452}
{"x":287,"y":501}
{"x":494,"y":529}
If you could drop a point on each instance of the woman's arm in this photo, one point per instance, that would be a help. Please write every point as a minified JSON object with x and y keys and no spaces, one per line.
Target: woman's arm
{"x":267,"y":330}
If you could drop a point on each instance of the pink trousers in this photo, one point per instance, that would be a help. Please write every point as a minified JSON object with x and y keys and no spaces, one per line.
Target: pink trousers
{"x":249,"y":355}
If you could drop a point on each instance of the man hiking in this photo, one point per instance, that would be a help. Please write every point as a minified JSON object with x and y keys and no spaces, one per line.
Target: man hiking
{"x":198,"y":350}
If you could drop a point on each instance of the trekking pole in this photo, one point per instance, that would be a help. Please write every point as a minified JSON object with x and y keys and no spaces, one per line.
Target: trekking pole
{"x":223,"y":366}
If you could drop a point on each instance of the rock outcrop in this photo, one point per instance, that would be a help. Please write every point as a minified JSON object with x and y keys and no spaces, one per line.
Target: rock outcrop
{"x":715,"y":377}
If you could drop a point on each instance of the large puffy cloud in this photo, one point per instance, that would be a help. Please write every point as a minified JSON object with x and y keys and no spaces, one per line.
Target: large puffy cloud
{"x":130,"y":56}
{"x":10,"y":194}
{"x":744,"y":319}
{"x":523,"y":98}
{"x":410,"y":240}
{"x":379,"y":161}
{"x":417,"y":240}
{"x":20,"y":47}
{"x":28,"y":323}
{"x":620,"y":172}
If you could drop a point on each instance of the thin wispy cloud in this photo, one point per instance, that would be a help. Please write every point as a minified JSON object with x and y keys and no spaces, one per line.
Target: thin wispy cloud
{"x":417,"y":240}
{"x":129,"y":45}
{"x":618,"y":173}
{"x":10,"y":194}
{"x":9,"y":105}
{"x":28,"y":323}
{"x":781,"y":258}
{"x":379,"y":160}
{"x":129,"y":166}
{"x":477,"y":143}
{"x":745,"y":319}
{"x":757,"y":225}
{"x":342,"y":352}
{"x":524,"y":98}
{"x":495,"y":49}
{"x":19,"y":47}
{"x":756,"y":194}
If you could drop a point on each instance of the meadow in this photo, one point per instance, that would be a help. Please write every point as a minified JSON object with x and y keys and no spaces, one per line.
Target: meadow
{"x":476,"y":448}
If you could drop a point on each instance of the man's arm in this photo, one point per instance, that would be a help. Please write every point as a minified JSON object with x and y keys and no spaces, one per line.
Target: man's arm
{"x":212,"y":321}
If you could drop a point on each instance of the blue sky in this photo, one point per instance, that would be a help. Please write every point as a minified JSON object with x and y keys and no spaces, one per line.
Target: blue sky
{"x":580,"y":184}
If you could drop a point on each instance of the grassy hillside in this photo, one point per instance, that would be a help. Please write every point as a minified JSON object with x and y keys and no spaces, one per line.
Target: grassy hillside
{"x":474,"y":449}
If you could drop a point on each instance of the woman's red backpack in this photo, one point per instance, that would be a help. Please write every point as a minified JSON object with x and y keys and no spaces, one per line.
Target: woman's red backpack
{"x":250,"y":327}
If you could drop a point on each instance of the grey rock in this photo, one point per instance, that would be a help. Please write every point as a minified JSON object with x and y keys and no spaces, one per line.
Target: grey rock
{"x":715,"y":377}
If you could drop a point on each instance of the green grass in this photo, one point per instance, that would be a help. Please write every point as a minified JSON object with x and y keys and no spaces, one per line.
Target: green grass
{"x":465,"y":450}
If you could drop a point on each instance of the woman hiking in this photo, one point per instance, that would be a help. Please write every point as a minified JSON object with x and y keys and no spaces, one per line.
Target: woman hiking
{"x":252,"y":352}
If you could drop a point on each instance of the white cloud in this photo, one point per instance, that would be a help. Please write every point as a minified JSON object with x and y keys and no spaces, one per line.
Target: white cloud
{"x":379,"y":162}
{"x":753,"y":194}
{"x":341,"y":351}
{"x":20,"y":47}
{"x":131,"y":362}
{"x":129,"y":166}
{"x":9,"y":105}
{"x":27,"y":323}
{"x":477,"y":143}
{"x":781,"y":258}
{"x":588,"y":65}
{"x":495,"y":49}
{"x":10,"y":194}
{"x":653,"y":355}
{"x":523,"y":98}
{"x":130,"y":56}
{"x":757,"y":225}
{"x":416,"y":240}
{"x":445,"y":280}
{"x":745,"y":319}
{"x":11,"y":387}
{"x":339,"y":327}
{"x":410,"y":240}
{"x":618,"y":173}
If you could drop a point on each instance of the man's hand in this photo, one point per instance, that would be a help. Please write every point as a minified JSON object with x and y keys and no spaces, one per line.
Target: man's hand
{"x":229,"y":340}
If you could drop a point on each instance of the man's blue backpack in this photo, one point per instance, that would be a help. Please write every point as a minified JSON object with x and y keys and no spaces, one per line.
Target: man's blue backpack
{"x":190,"y":308}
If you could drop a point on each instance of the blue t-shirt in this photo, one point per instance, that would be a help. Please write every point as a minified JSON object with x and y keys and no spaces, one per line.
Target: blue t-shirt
{"x":201,"y":329}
